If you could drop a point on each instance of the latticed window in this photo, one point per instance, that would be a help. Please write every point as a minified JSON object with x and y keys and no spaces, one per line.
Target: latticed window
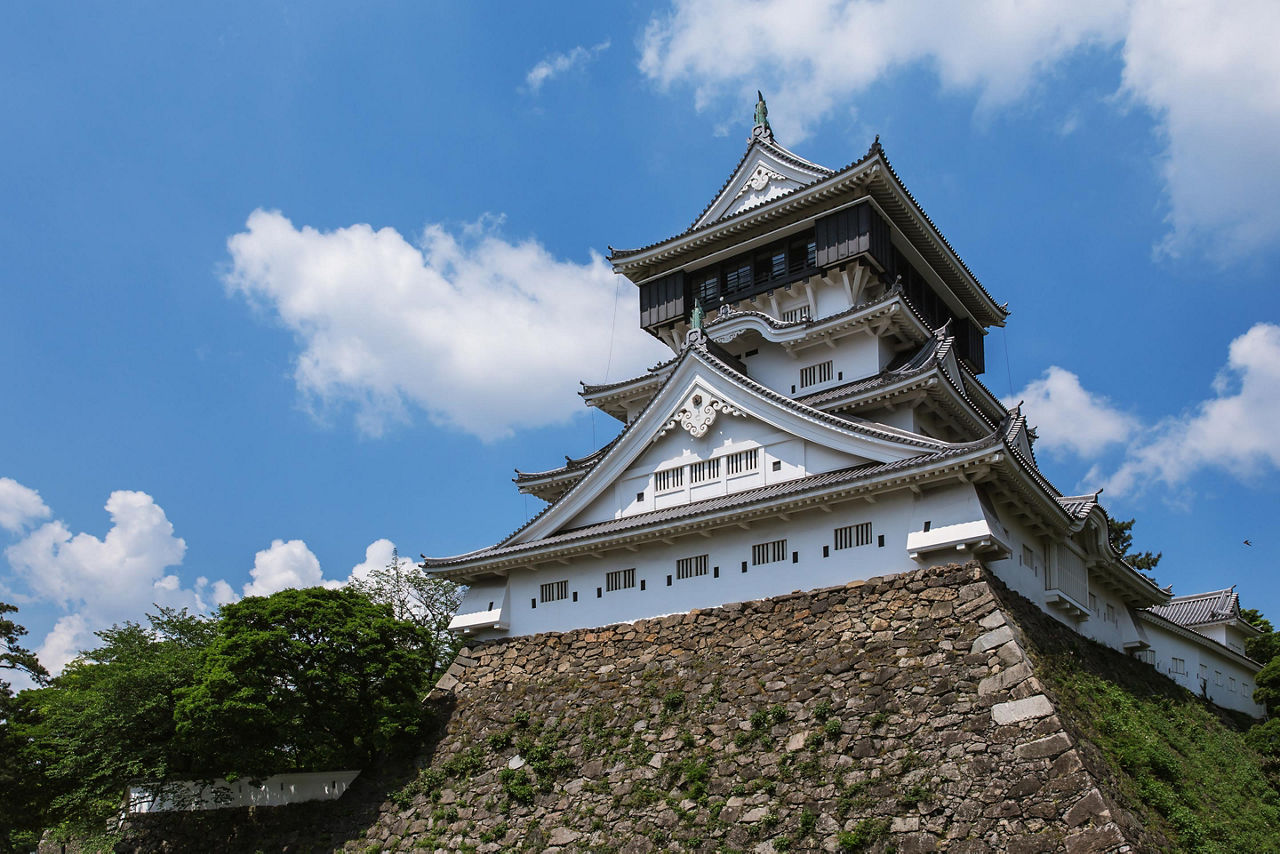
{"x":851,"y":536}
{"x":554,"y":590}
{"x":707,"y":470}
{"x":814,"y":374}
{"x":770,"y":552}
{"x":795,"y":314}
{"x":669,"y":479}
{"x":619,"y":579}
{"x":688,"y":567}
{"x":742,"y":461}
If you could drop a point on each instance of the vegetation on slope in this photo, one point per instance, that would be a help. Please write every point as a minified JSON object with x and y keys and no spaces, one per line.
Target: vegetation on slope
{"x":1185,"y":767}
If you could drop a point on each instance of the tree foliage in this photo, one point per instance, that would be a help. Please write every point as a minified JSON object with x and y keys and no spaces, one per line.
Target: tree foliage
{"x":424,"y":600}
{"x":303,"y":680}
{"x":20,"y":783}
{"x":1121,"y":535}
{"x":1265,"y":646}
{"x":108,"y":719}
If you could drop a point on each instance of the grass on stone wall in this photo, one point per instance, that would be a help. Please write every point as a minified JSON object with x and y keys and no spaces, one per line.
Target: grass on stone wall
{"x":1177,"y":759}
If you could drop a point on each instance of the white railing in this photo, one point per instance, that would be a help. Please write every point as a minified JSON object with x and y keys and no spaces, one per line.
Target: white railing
{"x":1072,"y":581}
{"x":278,"y":790}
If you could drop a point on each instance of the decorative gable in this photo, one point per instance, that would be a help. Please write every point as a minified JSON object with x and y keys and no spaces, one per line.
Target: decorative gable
{"x":701,"y":392}
{"x":767,"y":171}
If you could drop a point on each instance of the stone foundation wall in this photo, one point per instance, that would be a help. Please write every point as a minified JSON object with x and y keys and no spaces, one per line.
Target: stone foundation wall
{"x":898,"y":714}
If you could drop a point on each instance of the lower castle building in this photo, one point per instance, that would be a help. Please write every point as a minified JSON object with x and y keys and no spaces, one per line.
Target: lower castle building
{"x":821,"y":421}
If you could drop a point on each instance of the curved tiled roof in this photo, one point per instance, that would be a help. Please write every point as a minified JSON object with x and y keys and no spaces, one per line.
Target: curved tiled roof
{"x":774,"y":149}
{"x":1197,"y":609}
{"x":570,"y":465}
{"x":617,"y":254}
{"x":1079,"y":506}
{"x":718,"y":505}
{"x":876,"y":151}
{"x":870,"y":429}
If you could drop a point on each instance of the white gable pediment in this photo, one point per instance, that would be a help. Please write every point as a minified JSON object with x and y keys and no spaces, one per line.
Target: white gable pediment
{"x":767,"y":172}
{"x":703,"y":402}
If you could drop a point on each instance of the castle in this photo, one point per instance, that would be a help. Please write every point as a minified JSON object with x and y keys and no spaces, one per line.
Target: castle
{"x":821,"y":421}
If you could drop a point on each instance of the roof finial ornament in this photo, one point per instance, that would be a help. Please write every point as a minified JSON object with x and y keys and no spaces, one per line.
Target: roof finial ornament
{"x":695,"y":319}
{"x":761,"y":129}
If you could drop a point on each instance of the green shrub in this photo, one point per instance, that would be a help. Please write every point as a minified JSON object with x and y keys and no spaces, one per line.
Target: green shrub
{"x":864,"y":834}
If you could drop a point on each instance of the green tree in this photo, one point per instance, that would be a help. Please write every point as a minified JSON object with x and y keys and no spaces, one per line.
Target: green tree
{"x":107,"y":720}
{"x":1121,"y":535}
{"x":1268,"y":690}
{"x":1265,"y":646}
{"x":428,"y":601}
{"x":303,"y":680}
{"x":21,"y":783}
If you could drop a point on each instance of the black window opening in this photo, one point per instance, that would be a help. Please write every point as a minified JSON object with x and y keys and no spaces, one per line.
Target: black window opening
{"x":770,"y":552}
{"x":553,"y":591}
{"x":934,"y":309}
{"x":620,"y":579}
{"x":743,"y":276}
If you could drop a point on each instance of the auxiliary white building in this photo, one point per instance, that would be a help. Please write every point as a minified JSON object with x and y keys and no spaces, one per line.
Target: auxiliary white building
{"x":821,"y":421}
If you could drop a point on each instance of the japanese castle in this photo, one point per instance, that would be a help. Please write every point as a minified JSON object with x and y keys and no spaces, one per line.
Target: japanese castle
{"x":821,"y":420}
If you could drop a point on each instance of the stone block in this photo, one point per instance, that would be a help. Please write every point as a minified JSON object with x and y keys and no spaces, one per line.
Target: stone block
{"x":993,"y":639}
{"x":1095,"y":840}
{"x":1089,"y":807}
{"x":1022,"y":710}
{"x":1043,"y":748}
{"x":1004,"y":680}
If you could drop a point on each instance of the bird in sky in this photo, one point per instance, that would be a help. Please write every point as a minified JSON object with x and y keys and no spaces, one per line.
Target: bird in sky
{"x":1247,"y":543}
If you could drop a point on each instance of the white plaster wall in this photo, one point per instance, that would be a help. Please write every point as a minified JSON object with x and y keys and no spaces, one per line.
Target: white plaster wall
{"x":1114,"y":630}
{"x":634,"y":492}
{"x":274,"y":791}
{"x":1167,"y":645}
{"x":727,"y":548}
{"x":854,"y":357}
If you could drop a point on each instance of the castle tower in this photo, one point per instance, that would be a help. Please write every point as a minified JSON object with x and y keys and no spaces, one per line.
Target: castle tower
{"x":821,"y":420}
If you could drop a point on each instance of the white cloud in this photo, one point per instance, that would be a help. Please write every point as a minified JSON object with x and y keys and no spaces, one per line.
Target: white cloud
{"x":1211,"y":74}
{"x":558,"y":63}
{"x":482,"y":334}
{"x":282,"y":566}
{"x":109,"y":574}
{"x":1207,"y":71}
{"x":1234,"y":430}
{"x":1069,"y":419}
{"x":19,"y":506}
{"x":99,"y":582}
{"x":69,"y":636}
{"x":376,"y":556}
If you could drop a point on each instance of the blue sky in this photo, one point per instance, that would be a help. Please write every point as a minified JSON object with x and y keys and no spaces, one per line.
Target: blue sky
{"x":282,"y":285}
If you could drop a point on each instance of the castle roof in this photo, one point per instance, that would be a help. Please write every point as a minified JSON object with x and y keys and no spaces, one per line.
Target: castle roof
{"x":1199,"y":609}
{"x":871,"y":175}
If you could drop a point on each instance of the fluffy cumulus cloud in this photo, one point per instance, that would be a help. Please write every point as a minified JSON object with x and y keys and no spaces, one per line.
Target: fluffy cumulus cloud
{"x":558,"y":63}
{"x":1069,"y":419}
{"x":482,"y":334}
{"x":1207,"y":71}
{"x":376,"y":556}
{"x":92,"y":583}
{"x":99,"y":581}
{"x":107,"y":573}
{"x":282,"y":566}
{"x":1229,"y":431}
{"x":1233,"y":430}
{"x":19,"y":506}
{"x":1211,"y":73}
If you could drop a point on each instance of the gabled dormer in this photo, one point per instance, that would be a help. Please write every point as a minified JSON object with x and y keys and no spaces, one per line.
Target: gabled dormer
{"x":766,"y":172}
{"x":795,"y":240}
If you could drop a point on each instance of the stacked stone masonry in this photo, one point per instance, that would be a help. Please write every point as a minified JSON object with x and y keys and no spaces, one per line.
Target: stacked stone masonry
{"x":896,"y":714}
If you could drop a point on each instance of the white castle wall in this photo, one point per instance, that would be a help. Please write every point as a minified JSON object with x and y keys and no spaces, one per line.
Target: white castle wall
{"x":274,"y":791}
{"x":1201,"y":670}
